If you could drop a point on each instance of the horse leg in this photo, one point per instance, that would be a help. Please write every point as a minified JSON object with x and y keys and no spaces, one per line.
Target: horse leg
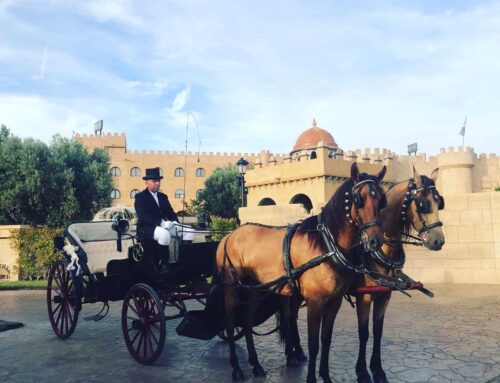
{"x":253,"y":297}
{"x":230,"y":304}
{"x":379,"y":307}
{"x":363,"y":305}
{"x":294,"y":331}
{"x":314,"y":310}
{"x":330,"y":312}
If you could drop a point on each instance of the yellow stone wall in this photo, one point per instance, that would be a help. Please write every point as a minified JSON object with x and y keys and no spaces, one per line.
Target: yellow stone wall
{"x":8,"y":256}
{"x":168,"y":161}
{"x":472,"y":250}
{"x":466,"y":180}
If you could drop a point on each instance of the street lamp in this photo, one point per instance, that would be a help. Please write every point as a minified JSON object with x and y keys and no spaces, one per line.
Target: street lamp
{"x":242,"y":168}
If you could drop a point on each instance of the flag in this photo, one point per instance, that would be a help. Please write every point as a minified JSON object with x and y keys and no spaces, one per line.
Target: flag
{"x":462,"y":131}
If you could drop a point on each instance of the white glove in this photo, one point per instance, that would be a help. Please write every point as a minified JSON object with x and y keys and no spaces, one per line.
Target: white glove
{"x":167,"y":224}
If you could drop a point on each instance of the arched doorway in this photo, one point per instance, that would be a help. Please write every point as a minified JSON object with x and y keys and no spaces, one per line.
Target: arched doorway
{"x":303,"y":200}
{"x":267,"y":202}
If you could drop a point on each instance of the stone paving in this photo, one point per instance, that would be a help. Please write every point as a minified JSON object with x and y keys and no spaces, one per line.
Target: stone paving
{"x":454,"y":337}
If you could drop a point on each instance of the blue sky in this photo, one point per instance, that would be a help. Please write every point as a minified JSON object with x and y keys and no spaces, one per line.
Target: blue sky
{"x":254,"y":73}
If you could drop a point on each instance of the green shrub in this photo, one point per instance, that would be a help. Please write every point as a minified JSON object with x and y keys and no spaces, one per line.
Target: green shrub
{"x":222,"y":226}
{"x":35,"y":247}
{"x":497,"y":188}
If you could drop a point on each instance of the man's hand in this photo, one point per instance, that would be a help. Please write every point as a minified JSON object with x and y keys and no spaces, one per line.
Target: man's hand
{"x":167,"y":224}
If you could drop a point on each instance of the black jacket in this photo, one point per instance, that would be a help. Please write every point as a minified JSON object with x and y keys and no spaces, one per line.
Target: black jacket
{"x":149,"y":214}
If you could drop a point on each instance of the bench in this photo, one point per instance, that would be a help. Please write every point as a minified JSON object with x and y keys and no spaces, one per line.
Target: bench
{"x":98,"y":241}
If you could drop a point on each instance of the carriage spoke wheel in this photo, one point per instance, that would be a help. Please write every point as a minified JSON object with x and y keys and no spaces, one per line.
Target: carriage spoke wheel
{"x":63,"y":301}
{"x":143,"y":323}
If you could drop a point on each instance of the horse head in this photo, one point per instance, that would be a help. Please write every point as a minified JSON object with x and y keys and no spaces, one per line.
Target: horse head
{"x":353,"y":210}
{"x":423,"y":209}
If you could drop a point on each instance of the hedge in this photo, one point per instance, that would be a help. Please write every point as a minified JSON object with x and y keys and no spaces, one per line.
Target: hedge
{"x":222,"y":226}
{"x":35,"y":246}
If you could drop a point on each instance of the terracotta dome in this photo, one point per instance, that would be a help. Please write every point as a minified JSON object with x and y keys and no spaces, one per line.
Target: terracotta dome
{"x":310,"y":138}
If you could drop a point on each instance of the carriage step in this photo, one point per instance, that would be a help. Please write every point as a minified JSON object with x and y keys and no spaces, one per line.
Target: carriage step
{"x":100,"y":315}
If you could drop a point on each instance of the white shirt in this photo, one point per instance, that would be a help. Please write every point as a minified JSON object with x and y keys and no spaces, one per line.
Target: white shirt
{"x":155,"y":196}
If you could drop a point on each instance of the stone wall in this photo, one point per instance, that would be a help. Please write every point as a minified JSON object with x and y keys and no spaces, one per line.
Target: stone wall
{"x":472,"y":250}
{"x":8,"y":256}
{"x":472,"y":232}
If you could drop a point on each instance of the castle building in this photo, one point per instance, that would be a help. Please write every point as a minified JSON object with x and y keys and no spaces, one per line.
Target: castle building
{"x":283,"y":188}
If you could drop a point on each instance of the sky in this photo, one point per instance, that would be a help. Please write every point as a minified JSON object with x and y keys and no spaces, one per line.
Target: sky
{"x":252,"y":75}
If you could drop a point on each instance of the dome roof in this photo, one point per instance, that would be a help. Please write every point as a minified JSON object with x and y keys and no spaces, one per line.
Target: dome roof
{"x":309,"y":139}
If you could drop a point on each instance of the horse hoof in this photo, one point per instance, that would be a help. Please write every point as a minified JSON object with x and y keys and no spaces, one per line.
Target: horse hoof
{"x":292,"y":361}
{"x":311,"y":379}
{"x":300,"y":356}
{"x":326,"y":378}
{"x":238,"y":375}
{"x":258,"y":371}
{"x":364,"y":378}
{"x":379,"y":377}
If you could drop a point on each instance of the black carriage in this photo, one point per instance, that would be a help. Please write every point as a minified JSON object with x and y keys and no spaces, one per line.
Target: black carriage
{"x":105,"y":261}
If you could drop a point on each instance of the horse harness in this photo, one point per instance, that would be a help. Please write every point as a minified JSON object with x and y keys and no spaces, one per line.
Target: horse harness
{"x":334,"y":252}
{"x":422,"y":207}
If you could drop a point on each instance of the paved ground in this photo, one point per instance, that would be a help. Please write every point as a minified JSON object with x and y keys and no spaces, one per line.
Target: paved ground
{"x":454,"y":337}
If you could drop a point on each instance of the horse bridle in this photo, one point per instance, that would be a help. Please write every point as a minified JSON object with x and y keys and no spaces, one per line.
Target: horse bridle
{"x":422,"y":206}
{"x":358,"y":203}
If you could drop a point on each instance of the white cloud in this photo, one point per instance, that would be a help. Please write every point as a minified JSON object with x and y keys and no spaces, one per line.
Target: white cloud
{"x":181,"y":100}
{"x":112,"y":10}
{"x":33,"y":116}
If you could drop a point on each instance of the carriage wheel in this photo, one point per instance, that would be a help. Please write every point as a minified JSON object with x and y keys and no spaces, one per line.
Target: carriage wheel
{"x":237,"y":335}
{"x":63,"y":301}
{"x":143,"y":323}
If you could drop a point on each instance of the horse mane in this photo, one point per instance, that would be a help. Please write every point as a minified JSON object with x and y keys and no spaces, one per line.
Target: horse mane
{"x":333,"y":214}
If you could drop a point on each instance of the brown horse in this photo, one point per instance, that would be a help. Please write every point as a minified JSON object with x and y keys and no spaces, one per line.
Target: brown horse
{"x":254,"y":253}
{"x":410,"y":204}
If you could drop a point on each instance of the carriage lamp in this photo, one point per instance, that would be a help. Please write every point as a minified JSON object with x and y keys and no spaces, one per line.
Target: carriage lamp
{"x":242,"y":168}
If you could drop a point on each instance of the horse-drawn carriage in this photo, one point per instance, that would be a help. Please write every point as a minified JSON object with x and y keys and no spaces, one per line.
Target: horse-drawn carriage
{"x":105,"y":261}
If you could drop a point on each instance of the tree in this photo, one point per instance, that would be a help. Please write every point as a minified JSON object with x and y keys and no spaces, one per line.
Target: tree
{"x":51,"y":185}
{"x":221,"y":196}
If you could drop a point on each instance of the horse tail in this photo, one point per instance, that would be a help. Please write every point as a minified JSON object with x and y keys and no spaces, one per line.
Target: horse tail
{"x":283,"y":322}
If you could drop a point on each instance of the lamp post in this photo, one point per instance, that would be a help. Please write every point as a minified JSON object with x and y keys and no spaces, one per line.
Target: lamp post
{"x":242,"y":168}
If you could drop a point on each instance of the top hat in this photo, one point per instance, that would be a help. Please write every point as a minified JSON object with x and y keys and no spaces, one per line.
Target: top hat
{"x":152,"y":174}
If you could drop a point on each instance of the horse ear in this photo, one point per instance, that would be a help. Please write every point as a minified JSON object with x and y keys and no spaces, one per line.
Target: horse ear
{"x":354,"y":172}
{"x":416,"y":177}
{"x":381,"y":174}
{"x":434,"y":174}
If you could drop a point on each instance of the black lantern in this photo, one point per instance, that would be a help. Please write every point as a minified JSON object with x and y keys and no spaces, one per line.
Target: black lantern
{"x":242,"y":168}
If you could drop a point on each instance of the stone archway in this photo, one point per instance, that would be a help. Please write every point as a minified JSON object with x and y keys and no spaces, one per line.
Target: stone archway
{"x":304,"y":200}
{"x":266,"y":202}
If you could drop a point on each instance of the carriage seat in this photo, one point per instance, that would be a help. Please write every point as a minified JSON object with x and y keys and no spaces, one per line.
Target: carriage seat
{"x":98,"y":240}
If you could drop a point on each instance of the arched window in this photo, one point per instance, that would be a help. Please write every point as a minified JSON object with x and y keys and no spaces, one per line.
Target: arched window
{"x":266,"y":202}
{"x":115,"y":194}
{"x":303,"y":200}
{"x":198,"y":192}
{"x":313,"y":155}
{"x":179,"y":172}
{"x":115,"y":171}
{"x":133,"y":193}
{"x":179,"y":194}
{"x":135,"y":172}
{"x":200,"y":172}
